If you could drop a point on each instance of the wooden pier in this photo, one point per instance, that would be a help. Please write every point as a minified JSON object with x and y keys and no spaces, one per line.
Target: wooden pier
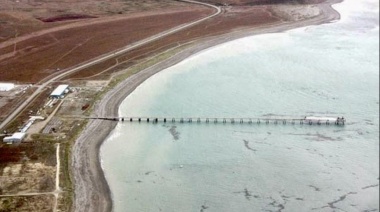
{"x":307,"y":120}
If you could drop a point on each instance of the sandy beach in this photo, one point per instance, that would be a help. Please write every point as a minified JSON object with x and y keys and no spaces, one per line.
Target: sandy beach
{"x":92,"y":192}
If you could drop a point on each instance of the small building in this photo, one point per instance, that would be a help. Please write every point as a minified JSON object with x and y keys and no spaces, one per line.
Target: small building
{"x":15,"y":138}
{"x":60,"y":91}
{"x":6,"y":86}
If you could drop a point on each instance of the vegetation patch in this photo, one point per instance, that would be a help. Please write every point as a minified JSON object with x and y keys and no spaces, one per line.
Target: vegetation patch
{"x":41,"y":203}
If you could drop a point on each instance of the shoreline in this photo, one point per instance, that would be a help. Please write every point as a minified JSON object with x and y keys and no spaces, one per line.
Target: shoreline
{"x":92,"y":192}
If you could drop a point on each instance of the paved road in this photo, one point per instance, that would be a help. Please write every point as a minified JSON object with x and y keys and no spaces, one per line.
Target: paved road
{"x":108,"y":56}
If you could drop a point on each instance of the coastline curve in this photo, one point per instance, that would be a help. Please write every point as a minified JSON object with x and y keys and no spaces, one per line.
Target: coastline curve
{"x":92,"y":192}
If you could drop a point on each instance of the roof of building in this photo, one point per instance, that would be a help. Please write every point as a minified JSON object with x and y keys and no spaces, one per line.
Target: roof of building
{"x":6,"y":86}
{"x":36,"y":118}
{"x":19,"y":135}
{"x":60,"y":90}
{"x":6,"y":83}
{"x":15,"y":136}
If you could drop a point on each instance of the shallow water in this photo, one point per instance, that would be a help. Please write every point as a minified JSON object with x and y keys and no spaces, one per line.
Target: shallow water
{"x":326,"y":70}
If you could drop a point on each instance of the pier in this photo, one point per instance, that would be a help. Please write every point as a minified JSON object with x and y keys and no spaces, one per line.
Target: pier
{"x":307,"y":120}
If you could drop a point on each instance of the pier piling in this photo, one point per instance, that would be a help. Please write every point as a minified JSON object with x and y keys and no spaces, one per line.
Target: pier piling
{"x":302,"y":121}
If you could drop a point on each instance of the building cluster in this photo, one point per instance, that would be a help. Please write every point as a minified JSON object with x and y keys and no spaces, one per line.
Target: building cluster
{"x":58,"y":93}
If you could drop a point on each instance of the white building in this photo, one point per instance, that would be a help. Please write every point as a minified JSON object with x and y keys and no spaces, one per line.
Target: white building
{"x":6,"y":86}
{"x":16,"y":137}
{"x":60,"y":91}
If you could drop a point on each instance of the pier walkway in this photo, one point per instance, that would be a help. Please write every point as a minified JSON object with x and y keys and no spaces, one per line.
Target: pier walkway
{"x":310,"y":120}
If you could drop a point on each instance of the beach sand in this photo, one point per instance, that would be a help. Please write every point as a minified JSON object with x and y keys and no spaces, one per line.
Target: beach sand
{"x":92,"y":192}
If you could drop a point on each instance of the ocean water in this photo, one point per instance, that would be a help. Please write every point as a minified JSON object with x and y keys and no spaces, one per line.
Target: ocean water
{"x":325,"y":70}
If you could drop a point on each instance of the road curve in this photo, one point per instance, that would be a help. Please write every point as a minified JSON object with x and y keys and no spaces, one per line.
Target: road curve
{"x":135,"y":45}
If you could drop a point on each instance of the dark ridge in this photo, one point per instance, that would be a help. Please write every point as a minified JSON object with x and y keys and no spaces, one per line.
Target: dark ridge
{"x":371,"y":186}
{"x":174,"y":132}
{"x":246,"y":144}
{"x":65,"y":17}
{"x":341,"y":198}
{"x":203,"y":208}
